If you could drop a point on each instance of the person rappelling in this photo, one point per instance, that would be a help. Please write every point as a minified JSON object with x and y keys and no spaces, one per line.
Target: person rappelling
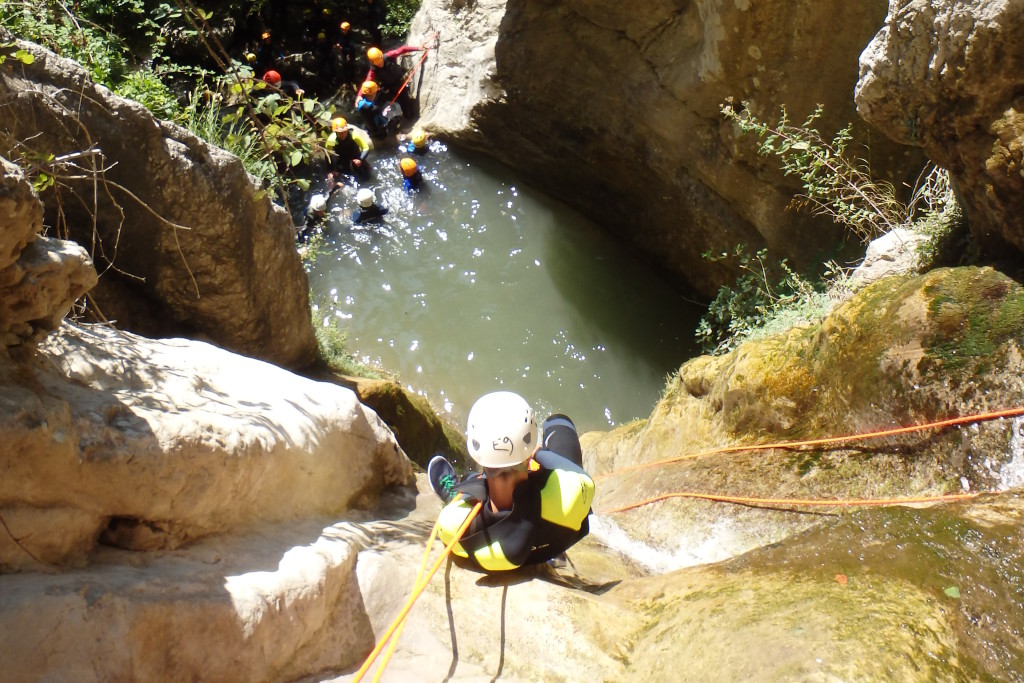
{"x":536,"y":495}
{"x":388,"y":73}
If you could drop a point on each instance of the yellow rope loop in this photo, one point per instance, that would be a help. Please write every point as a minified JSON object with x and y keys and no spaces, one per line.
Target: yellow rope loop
{"x":415,"y":595}
{"x":419,"y":575}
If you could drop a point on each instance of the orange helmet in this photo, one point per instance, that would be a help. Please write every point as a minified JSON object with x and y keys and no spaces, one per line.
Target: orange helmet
{"x":272,"y":77}
{"x":375,"y":56}
{"x":408,"y":166}
{"x":339,"y":125}
{"x":368,"y":90}
{"x":345,"y":26}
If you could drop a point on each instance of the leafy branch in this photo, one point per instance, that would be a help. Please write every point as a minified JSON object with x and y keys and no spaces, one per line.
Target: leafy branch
{"x":833,"y":184}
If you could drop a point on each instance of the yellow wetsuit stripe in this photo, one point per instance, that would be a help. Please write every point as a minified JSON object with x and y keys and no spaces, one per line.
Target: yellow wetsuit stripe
{"x":449,"y":521}
{"x":492,"y":558}
{"x":566,"y":497}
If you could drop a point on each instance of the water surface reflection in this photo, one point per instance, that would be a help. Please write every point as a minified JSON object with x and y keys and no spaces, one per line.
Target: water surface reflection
{"x":481,"y":282}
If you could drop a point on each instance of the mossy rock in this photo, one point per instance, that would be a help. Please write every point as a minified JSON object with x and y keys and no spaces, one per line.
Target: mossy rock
{"x":905,"y":351}
{"x":420,"y":431}
{"x":898,"y":593}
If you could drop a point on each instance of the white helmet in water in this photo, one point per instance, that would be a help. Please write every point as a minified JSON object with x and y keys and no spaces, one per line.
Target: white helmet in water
{"x":318,"y":203}
{"x":501,"y":429}
{"x":364,"y":197}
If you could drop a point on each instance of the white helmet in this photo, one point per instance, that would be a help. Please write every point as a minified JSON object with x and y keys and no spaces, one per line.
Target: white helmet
{"x":364,"y":197}
{"x":500,"y":430}
{"x":317,"y":202}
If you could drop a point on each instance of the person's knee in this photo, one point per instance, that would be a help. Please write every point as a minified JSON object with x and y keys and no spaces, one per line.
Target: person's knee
{"x":558,"y":420}
{"x":559,"y":436}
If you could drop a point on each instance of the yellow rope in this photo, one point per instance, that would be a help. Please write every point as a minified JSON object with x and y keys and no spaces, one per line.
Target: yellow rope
{"x":412,"y":598}
{"x":401,"y":626}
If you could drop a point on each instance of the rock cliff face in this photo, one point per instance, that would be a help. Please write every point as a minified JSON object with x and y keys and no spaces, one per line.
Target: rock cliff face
{"x":184,"y":243}
{"x":617,"y":111}
{"x":113,"y":438}
{"x":948,"y":76}
{"x":118,"y":450}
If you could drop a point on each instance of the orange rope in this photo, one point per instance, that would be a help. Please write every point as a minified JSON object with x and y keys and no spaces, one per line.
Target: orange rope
{"x":982,"y":417}
{"x":854,"y":502}
{"x":409,"y":77}
{"x":415,"y":594}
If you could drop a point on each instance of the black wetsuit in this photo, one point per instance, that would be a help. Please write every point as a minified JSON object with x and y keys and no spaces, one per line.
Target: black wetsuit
{"x":549,"y":511}
{"x":368,"y":213}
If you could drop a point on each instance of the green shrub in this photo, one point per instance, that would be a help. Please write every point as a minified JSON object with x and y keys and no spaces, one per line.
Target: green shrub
{"x":834,"y":183}
{"x":399,"y":17}
{"x":331,"y":344}
{"x":767,"y":298}
{"x":770,"y":297}
{"x":145,"y":87}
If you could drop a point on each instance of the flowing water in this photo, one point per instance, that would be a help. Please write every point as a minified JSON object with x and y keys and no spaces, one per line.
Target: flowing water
{"x":480,"y":282}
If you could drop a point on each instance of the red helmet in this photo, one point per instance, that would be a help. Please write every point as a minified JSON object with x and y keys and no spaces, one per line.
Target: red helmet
{"x":272,"y":77}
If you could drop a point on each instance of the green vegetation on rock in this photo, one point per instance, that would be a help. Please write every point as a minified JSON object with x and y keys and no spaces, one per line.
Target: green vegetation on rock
{"x":769,"y":296}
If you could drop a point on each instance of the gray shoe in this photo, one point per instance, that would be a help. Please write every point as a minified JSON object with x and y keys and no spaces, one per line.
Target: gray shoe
{"x":442,"y":478}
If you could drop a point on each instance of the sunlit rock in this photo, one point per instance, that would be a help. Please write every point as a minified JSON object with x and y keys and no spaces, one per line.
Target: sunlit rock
{"x":908,"y":350}
{"x":947,"y":76}
{"x":617,"y":112}
{"x":40,"y":278}
{"x":147,"y":444}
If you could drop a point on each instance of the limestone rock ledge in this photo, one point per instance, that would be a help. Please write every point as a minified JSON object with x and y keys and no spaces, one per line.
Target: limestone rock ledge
{"x":947,"y":76}
{"x":40,"y":277}
{"x":147,"y":444}
{"x":907,"y":350}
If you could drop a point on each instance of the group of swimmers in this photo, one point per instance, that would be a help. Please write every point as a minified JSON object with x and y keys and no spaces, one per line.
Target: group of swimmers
{"x":382,"y":102}
{"x":348,"y":165}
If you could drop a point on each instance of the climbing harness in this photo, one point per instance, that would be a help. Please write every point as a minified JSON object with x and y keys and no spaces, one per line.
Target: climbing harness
{"x":420,"y":587}
{"x":829,"y":441}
